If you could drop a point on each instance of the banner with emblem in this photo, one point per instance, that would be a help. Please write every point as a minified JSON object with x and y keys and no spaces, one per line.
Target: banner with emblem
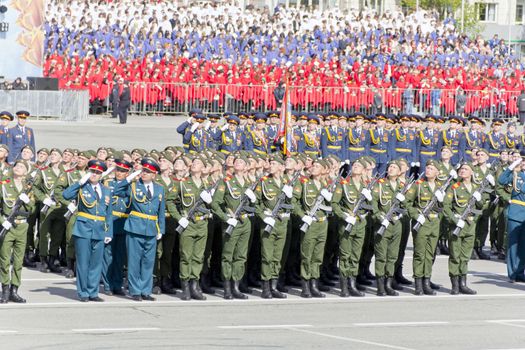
{"x":285,"y":126}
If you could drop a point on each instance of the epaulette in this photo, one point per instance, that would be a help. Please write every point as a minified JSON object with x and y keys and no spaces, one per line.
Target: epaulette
{"x":227,"y":178}
{"x":381,"y":181}
{"x":43,"y":168}
{"x":420,"y":181}
{"x":264,"y":178}
{"x":343,"y":182}
{"x":303,"y":179}
{"x":69,"y":170}
{"x":456,"y":185}
{"x":6,"y":181}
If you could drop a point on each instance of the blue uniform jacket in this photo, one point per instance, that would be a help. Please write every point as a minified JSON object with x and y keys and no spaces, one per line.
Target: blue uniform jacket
{"x":356,"y":144}
{"x":516,"y":208}
{"x":495,"y":143}
{"x":88,"y":206}
{"x":457,"y":143}
{"x":146,"y":217}
{"x":229,"y":143}
{"x":380,"y":148}
{"x":121,"y":208}
{"x":404,"y":145}
{"x":332,"y":142}
{"x":197,"y":141}
{"x":16,"y":140}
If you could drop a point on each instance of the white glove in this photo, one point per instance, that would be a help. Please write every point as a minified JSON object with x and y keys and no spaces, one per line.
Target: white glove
{"x":107,"y":240}
{"x":133,"y":175}
{"x":107,"y":172}
{"x":232,"y":222}
{"x":206,"y":197}
{"x":207,"y":124}
{"x":307,"y":219}
{"x":249,"y":193}
{"x":85,"y":178}
{"x":288,"y":191}
{"x":7,"y":225}
{"x":24,"y":198}
{"x":454,"y":174}
{"x":477,"y":195}
{"x":421,"y":219}
{"x":159,"y":236}
{"x":367,"y":194}
{"x":72,"y":207}
{"x":184,"y":222}
{"x":514,"y":164}
{"x":224,"y":127}
{"x":491,"y":179}
{"x":194,"y":127}
{"x":418,"y":164}
{"x":440,"y":196}
{"x":385,"y":223}
{"x":269,"y":221}
{"x":189,"y":120}
{"x":347,"y":161}
{"x":326,"y":194}
{"x":342,"y":163}
{"x":461,"y":223}
{"x":49,"y":202}
{"x":350,"y":219}
{"x":412,"y":164}
{"x":400,"y":197}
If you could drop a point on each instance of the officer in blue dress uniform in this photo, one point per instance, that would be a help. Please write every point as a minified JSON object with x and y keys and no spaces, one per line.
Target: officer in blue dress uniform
{"x":514,"y":175}
{"x":427,"y":142}
{"x":404,"y":142}
{"x":272,"y":130}
{"x":5,"y":117}
{"x":196,"y":137}
{"x":310,"y":141}
{"x":495,"y":141}
{"x":257,"y":138}
{"x":186,"y":125}
{"x":115,"y":251}
{"x":93,"y":228}
{"x":380,"y":143}
{"x":332,"y":142}
{"x":356,"y":139}
{"x":214,"y":131}
{"x":474,"y":137}
{"x":231,"y":139}
{"x":19,"y":136}
{"x":144,"y":226}
{"x":454,"y":137}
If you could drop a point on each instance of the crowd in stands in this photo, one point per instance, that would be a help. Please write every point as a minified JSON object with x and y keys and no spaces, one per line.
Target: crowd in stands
{"x":243,"y":54}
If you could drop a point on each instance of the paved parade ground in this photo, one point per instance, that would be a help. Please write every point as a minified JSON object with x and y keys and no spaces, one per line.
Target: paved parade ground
{"x":53,"y":318}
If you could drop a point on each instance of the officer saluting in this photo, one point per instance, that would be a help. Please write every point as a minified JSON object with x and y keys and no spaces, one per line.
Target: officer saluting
{"x":93,"y":228}
{"x":144,"y":226}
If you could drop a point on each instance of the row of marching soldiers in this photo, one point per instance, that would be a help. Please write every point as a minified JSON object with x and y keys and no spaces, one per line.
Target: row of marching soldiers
{"x":166,"y":220}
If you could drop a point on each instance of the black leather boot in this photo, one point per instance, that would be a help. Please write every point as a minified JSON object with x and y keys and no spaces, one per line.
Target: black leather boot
{"x":455,"y":285}
{"x":400,"y":278}
{"x":362,"y":280}
{"x":243,"y":286}
{"x":27,"y":261}
{"x":14,"y":297}
{"x":426,"y":287}
{"x":353,"y":289}
{"x":482,"y":255}
{"x":326,"y":281}
{"x":227,"y":290}
{"x":368,"y":275}
{"x":266,"y":292}
{"x":70,"y":272}
{"x":396,"y":285}
{"x":380,"y":281}
{"x":236,"y":292}
{"x":463,"y":289}
{"x":52,"y":266}
{"x":43,"y":264}
{"x":322,"y":287}
{"x":186,"y":294}
{"x":305,"y":293}
{"x":195,"y":291}
{"x":419,"y":286}
{"x":206,"y":284}
{"x":388,"y":287}
{"x":5,"y":294}
{"x":343,"y":284}
{"x":314,"y":288}
{"x":275,"y":291}
{"x":281,"y":287}
{"x":434,"y":286}
{"x":166,"y":286}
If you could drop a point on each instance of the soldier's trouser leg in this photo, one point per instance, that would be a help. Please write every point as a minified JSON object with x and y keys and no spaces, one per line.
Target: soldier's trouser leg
{"x":14,"y":245}
{"x":494,"y":224}
{"x":272,"y":245}
{"x":234,"y":251}
{"x":113,"y":262}
{"x":502,"y":231}
{"x":43,"y":234}
{"x":70,"y":244}
{"x":216,"y":249}
{"x":461,"y":249}
{"x":58,"y":231}
{"x":168,"y":241}
{"x":192,"y":243}
{"x":405,"y":234}
{"x":332,"y":237}
{"x":31,"y":222}
{"x":293,"y":262}
{"x":158,"y":254}
{"x":312,"y":249}
{"x":107,"y":261}
{"x":350,"y":249}
{"x":515,"y":249}
{"x":368,"y":246}
{"x":482,"y":229}
{"x":206,"y":266}
{"x":386,"y":249}
{"x":141,"y":258}
{"x":254,"y":249}
{"x":89,"y":265}
{"x":286,"y":247}
{"x":425,"y":242}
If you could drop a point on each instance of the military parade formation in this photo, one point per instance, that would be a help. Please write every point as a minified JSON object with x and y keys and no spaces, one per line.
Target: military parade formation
{"x":238,"y":207}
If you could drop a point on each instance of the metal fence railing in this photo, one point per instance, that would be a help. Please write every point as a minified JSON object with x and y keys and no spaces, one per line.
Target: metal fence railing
{"x":175,"y":98}
{"x":67,"y":105}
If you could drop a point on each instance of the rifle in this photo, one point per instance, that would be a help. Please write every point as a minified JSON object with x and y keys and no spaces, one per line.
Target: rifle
{"x":15,"y":210}
{"x":361,"y":202}
{"x":320,"y":200}
{"x":46,"y":207}
{"x":280,"y":202}
{"x":470,"y":209}
{"x":197,"y":207}
{"x":394,"y":208}
{"x":243,"y":206}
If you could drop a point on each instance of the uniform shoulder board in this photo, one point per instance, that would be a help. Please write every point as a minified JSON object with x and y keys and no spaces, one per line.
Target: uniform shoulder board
{"x":381,"y":181}
{"x":227,"y":178}
{"x":456,"y":185}
{"x":264,"y":178}
{"x":43,"y":168}
{"x":343,"y":182}
{"x":6,"y":181}
{"x":69,"y":170}
{"x":304,"y":179}
{"x":420,"y":181}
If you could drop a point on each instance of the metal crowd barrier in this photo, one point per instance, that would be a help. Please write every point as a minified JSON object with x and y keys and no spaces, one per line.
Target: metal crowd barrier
{"x":67,"y":105}
{"x":178,"y":98}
